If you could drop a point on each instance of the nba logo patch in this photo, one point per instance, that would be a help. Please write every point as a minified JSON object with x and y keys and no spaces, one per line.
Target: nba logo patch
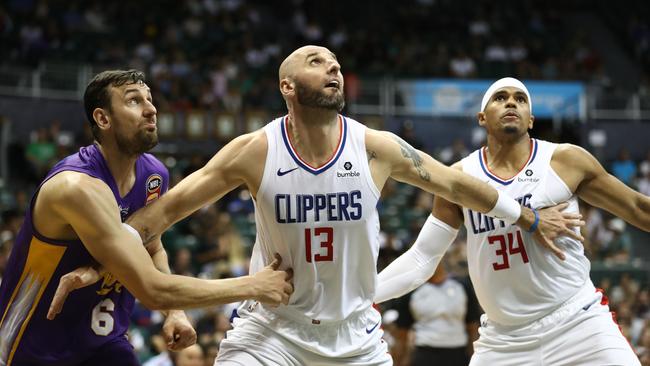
{"x":154,"y":185}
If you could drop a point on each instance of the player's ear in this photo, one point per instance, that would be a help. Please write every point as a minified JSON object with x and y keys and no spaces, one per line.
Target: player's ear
{"x":287,"y":87}
{"x":530,"y":123}
{"x":102,"y":118}
{"x":481,"y":118}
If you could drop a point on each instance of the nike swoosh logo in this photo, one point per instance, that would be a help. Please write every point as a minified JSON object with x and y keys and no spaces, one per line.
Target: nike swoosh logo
{"x":281,"y":173}
{"x":586,"y":307}
{"x":368,"y":331}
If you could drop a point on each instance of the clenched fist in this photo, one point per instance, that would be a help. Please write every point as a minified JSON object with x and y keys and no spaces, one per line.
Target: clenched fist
{"x":273,"y":286}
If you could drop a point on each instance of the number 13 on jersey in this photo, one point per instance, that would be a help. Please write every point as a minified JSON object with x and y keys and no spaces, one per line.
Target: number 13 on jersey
{"x":323,"y":239}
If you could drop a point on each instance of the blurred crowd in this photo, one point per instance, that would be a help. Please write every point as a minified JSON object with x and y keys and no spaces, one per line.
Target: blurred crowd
{"x":224,"y":54}
{"x":216,"y":241}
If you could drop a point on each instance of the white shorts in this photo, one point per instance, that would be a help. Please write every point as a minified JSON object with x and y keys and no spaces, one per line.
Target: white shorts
{"x":580,"y":332}
{"x":260,"y":338}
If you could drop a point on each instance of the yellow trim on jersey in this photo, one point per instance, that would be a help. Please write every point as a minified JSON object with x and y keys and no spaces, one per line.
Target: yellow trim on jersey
{"x":42,"y":260}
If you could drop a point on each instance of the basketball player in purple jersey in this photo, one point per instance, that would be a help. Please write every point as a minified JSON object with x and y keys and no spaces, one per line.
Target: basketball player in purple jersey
{"x":75,"y":219}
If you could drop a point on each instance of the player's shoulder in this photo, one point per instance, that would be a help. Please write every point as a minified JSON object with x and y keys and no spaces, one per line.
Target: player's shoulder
{"x":245,"y":151}
{"x":255,"y":141}
{"x":569,"y":153}
{"x":379,"y":139}
{"x":72,"y":186}
{"x":152,"y":163}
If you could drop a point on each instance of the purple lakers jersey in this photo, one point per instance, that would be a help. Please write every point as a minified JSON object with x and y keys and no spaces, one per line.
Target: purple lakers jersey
{"x":92,"y":316}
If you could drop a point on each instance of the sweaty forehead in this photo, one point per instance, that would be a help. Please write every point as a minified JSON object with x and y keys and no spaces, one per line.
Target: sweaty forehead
{"x":299,"y":56}
{"x":509,"y":90}
{"x":308,"y":51}
{"x":130,"y":89}
{"x":133,"y":87}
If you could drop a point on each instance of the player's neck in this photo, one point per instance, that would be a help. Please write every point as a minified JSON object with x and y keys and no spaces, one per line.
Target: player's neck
{"x":122,"y":166}
{"x":507,"y":156}
{"x":314,"y":133}
{"x":438,"y":278}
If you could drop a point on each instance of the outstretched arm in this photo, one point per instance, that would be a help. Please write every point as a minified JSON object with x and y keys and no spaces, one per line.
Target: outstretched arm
{"x":241,"y":161}
{"x":417,"y":265}
{"x":586,"y":176}
{"x":89,"y":207}
{"x":404,"y":163}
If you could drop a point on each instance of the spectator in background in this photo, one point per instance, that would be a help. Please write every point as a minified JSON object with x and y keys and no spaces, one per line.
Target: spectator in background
{"x":621,"y":243}
{"x":41,"y":151}
{"x":454,"y":152}
{"x":624,"y":168}
{"x":613,"y":243}
{"x":443,"y":315}
{"x":462,"y":66}
{"x":593,"y":225}
{"x":408,"y":134}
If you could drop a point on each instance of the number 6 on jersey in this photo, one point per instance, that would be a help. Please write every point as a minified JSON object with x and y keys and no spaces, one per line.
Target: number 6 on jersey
{"x":326,"y":236}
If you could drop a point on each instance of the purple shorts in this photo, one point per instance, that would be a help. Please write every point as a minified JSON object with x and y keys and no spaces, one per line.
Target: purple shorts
{"x":118,"y":352}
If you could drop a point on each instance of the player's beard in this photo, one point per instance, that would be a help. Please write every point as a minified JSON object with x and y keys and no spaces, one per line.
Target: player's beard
{"x":138,"y":144}
{"x":318,"y":99}
{"x":511,"y":130}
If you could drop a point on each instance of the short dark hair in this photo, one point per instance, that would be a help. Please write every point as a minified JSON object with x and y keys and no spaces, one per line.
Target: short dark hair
{"x":97,"y":92}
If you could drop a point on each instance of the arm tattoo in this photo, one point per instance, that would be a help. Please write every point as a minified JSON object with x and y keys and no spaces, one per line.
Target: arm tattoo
{"x":371,"y":155}
{"x":147,"y":236}
{"x":410,"y":153}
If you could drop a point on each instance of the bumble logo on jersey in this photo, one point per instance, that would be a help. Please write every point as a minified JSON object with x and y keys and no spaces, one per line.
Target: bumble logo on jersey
{"x":348,"y":173}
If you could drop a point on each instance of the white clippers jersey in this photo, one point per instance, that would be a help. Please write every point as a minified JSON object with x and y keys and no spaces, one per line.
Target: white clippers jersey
{"x":323,"y":222}
{"x":517,"y":280}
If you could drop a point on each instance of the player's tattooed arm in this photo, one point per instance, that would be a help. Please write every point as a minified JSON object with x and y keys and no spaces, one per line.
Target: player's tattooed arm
{"x":371,"y":155}
{"x":410,"y":153}
{"x":146,"y":234}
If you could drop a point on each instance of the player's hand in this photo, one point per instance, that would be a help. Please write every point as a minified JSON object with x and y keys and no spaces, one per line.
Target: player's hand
{"x":80,"y":277}
{"x":274,"y":287}
{"x":178,"y":331}
{"x":554,"y":223}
